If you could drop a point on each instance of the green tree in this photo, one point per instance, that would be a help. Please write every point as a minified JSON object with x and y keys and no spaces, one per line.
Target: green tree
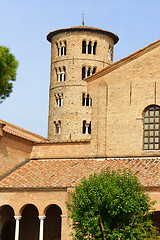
{"x":111,"y":205}
{"x":8,"y":66}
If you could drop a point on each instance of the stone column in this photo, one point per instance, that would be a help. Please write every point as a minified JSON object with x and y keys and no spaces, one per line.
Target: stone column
{"x":59,"y":77}
{"x":59,"y":51}
{"x":41,"y":229}
{"x":17,"y":227}
{"x":85,"y":101}
{"x":92,"y":49}
{"x":87,"y":127}
{"x":62,"y":76}
{"x":63,"y":227}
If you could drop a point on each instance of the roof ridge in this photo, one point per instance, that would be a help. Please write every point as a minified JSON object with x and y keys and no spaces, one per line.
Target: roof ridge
{"x":122,"y":61}
{"x":20,"y":129}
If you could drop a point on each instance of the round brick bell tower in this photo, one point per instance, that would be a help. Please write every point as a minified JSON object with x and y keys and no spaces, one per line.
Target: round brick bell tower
{"x":76,"y":53}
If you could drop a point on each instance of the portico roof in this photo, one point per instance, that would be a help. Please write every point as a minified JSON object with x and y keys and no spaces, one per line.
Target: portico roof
{"x":61,"y":173}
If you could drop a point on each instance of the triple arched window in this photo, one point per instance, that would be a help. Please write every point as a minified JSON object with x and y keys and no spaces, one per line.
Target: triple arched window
{"x":61,"y":74}
{"x":151,"y":121}
{"x":87,"y":71}
{"x":61,"y":47}
{"x":89,"y":47}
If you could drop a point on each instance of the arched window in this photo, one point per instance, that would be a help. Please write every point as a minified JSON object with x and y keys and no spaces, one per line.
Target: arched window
{"x":58,"y":127}
{"x":94,"y":48}
{"x":110,"y":53}
{"x":83,"y":99}
{"x":86,"y":100}
{"x":86,"y":127}
{"x":83,"y":46}
{"x":59,"y":99}
{"x":61,"y":48}
{"x":89,"y":47}
{"x":151,"y":138}
{"x":83,"y":72}
{"x":61,"y":72}
{"x":89,"y":72}
{"x":94,"y":70}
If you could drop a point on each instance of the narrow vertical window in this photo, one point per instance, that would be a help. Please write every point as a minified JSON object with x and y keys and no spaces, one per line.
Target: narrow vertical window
{"x":151,"y":137}
{"x":110,"y":53}
{"x":94,"y":70}
{"x":89,"y":47}
{"x":94,"y":48}
{"x":58,"y":127}
{"x":89,"y":128}
{"x":86,"y":127}
{"x":83,"y":46}
{"x":89,"y":72}
{"x":87,"y":100}
{"x":83,"y":72}
{"x":83,"y":99}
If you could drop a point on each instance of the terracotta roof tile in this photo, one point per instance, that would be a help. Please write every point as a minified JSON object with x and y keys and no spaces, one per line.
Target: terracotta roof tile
{"x":20,"y":132}
{"x":122,"y":61}
{"x":67,"y":173}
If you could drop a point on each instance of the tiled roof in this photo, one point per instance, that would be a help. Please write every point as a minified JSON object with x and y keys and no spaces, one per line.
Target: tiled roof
{"x":83,"y":28}
{"x":67,"y":173}
{"x":20,"y":132}
{"x":122,"y":61}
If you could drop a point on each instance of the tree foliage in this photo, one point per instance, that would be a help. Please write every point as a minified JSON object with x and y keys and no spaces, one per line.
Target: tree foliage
{"x":8,"y":66}
{"x":111,"y":205}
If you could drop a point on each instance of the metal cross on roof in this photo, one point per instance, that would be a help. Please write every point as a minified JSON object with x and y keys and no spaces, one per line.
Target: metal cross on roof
{"x":83,"y":18}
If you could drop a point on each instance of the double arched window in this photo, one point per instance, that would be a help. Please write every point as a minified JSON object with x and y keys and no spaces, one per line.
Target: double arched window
{"x":151,"y":137}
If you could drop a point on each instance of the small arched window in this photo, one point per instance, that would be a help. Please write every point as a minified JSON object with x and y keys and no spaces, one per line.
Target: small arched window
{"x":84,"y":46}
{"x":89,"y":72}
{"x":86,"y":127}
{"x":94,"y":48}
{"x":89,"y":47}
{"x":151,"y":136}
{"x":94,"y":70}
{"x":58,"y":127}
{"x":83,"y":72}
{"x":110,"y":53}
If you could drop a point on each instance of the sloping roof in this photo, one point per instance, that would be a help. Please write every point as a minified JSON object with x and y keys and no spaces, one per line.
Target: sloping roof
{"x":20,"y":132}
{"x":67,"y":173}
{"x":123,"y":61}
{"x":83,"y":28}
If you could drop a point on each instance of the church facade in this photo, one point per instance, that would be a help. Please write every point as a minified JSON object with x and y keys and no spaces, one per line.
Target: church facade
{"x":101,"y":114}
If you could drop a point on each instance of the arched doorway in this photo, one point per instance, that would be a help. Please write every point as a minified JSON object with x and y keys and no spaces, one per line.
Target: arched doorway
{"x":156,"y":220}
{"x":52,"y":226}
{"x":29,"y":223}
{"x":7,"y":223}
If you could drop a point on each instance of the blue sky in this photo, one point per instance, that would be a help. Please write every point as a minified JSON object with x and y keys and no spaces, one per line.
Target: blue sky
{"x":24,"y":26}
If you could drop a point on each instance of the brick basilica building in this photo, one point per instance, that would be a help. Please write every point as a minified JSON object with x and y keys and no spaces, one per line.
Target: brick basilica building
{"x":101,"y":114}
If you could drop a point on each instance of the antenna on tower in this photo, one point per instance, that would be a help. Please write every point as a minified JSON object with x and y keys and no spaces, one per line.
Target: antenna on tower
{"x":83,"y":18}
